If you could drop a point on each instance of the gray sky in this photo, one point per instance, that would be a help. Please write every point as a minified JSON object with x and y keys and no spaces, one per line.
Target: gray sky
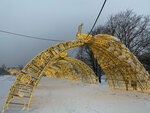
{"x":53,"y":19}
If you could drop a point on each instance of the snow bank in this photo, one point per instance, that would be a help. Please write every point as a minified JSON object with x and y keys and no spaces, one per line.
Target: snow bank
{"x":64,"y":96}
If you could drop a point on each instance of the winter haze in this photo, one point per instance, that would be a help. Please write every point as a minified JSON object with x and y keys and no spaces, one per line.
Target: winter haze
{"x":53,"y":19}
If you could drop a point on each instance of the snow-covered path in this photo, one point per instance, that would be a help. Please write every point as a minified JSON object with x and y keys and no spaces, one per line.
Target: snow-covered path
{"x":64,"y":96}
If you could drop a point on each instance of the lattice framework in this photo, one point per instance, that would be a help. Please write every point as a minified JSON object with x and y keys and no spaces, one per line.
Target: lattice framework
{"x":122,"y":69}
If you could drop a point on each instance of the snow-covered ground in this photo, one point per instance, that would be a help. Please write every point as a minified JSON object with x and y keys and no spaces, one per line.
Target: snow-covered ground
{"x":64,"y":96}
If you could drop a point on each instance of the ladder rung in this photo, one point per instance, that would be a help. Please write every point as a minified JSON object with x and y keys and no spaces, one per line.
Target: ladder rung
{"x":19,"y":96}
{"x":31,"y":67}
{"x":25,"y":91}
{"x":36,"y":66}
{"x":31,"y":84}
{"x":18,"y":84}
{"x":17,"y":103}
{"x":33,"y":76}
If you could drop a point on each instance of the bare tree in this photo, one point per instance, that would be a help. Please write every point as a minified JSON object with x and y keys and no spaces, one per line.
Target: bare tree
{"x":132,"y":29}
{"x":145,"y":58}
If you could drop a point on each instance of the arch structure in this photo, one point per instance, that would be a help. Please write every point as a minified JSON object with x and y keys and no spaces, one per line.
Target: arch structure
{"x":122,"y":69}
{"x":72,"y":69}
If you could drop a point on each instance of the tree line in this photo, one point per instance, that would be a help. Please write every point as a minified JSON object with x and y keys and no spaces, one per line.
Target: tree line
{"x":9,"y":70}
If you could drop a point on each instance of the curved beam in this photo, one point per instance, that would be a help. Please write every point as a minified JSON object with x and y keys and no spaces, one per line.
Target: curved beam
{"x":121,"y":60}
{"x":36,"y":68}
{"x":54,"y":71}
{"x":68,"y":70}
{"x":68,"y":66}
{"x":87,"y":74}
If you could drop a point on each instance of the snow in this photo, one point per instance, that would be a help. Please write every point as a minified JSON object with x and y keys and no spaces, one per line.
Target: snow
{"x":64,"y":96}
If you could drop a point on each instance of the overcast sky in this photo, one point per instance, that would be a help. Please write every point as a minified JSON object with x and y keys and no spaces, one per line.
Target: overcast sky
{"x":53,"y":19}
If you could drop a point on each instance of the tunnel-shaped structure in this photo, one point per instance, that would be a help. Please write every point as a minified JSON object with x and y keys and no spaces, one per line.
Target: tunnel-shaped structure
{"x":122,"y":69}
{"x":72,"y":69}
